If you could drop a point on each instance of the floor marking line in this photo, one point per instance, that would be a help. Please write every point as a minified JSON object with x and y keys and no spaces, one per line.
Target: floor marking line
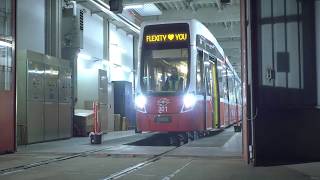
{"x":177,"y":171}
{"x":137,"y":166}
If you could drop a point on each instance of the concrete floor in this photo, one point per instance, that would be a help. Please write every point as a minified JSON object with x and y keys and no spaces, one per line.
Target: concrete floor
{"x":216,"y":157}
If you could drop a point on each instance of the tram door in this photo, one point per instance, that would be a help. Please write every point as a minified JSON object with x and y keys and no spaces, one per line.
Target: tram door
{"x":212,"y":105}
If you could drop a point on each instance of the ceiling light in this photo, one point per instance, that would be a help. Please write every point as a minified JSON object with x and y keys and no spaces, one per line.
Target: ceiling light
{"x":134,"y":6}
{"x":6,"y":44}
{"x":84,"y":56}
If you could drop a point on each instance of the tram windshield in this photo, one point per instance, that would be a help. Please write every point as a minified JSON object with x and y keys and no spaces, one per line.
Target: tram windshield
{"x":165,"y":70}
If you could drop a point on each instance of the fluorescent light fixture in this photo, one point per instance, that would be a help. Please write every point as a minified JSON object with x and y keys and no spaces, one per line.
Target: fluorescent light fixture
{"x":134,"y":6}
{"x":126,"y":69}
{"x":36,"y":71}
{"x":6,"y":44}
{"x":84,"y":56}
{"x":219,"y":67}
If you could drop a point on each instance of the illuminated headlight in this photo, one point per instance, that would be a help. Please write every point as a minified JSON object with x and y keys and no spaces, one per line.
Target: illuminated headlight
{"x":189,"y":100}
{"x":141,"y":102}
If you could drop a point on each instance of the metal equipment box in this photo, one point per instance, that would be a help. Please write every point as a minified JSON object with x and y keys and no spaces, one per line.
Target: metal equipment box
{"x":42,"y":114}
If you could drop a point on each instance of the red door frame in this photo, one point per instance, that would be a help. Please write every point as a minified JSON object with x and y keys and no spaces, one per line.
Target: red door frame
{"x":8,"y":98}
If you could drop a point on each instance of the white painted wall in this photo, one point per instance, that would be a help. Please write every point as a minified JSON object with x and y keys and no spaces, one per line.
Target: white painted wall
{"x":31,"y":25}
{"x":87,"y":77}
{"x":121,"y":53}
{"x":317,"y":19}
{"x":93,"y":34}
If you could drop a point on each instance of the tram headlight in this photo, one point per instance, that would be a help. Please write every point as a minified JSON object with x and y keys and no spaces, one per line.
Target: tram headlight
{"x":189,"y":100}
{"x":140,"y":102}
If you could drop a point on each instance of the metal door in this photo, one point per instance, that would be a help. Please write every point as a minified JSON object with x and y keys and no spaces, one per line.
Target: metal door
{"x":103,"y":99}
{"x":35,"y":99}
{"x":51,"y":112}
{"x":285,"y":120}
{"x":65,"y":100}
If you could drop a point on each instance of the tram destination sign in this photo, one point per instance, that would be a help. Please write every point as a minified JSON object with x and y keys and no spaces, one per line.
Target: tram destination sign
{"x":164,"y":36}
{"x":154,"y":38}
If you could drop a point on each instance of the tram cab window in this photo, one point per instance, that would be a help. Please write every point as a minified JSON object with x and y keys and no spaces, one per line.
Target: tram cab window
{"x":165,"y":70}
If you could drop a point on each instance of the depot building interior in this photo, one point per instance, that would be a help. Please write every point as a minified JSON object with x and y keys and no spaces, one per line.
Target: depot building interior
{"x":159,"y":89}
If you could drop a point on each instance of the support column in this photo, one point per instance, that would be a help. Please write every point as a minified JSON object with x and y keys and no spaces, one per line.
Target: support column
{"x":106,"y":39}
{"x":53,"y":15}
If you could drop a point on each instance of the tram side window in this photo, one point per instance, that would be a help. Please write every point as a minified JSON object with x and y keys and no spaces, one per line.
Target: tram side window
{"x":220,"y":83}
{"x":239,"y":93}
{"x":223,"y":81}
{"x":199,"y":69}
{"x":232,"y":87}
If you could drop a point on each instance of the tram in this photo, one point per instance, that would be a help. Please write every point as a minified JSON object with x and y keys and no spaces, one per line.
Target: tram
{"x":185,"y":82}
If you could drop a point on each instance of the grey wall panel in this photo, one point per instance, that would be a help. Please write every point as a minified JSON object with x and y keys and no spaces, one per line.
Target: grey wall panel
{"x":65,"y":115}
{"x":51,"y":121}
{"x":279,"y":46}
{"x":265,"y":8}
{"x":293,"y":50}
{"x":266,"y":54}
{"x":291,"y":7}
{"x":31,"y":25}
{"x":278,"y":7}
{"x":35,"y":122}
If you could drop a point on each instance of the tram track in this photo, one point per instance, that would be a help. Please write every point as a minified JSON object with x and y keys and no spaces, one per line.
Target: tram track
{"x":147,"y":162}
{"x":150,"y":160}
{"x":21,"y":168}
{"x":27,"y":166}
{"x":138,"y":166}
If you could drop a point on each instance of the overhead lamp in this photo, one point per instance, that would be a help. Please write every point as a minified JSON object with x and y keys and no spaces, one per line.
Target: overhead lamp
{"x":134,"y":6}
{"x":6,"y":44}
{"x":84,"y":56}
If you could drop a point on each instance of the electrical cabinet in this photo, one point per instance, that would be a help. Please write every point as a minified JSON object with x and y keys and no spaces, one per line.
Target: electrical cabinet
{"x":124,"y":101}
{"x":65,"y":100}
{"x":42,"y":112}
{"x":51,"y":112}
